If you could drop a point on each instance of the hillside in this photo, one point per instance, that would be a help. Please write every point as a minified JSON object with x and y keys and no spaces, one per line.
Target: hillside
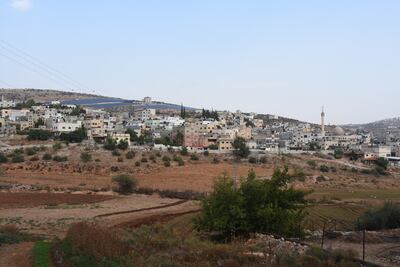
{"x":42,"y":95}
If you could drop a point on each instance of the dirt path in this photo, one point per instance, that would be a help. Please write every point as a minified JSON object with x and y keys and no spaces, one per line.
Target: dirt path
{"x":16,"y":255}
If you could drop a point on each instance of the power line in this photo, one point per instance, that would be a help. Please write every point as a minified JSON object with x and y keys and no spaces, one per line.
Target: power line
{"x":31,"y":69}
{"x":39,"y":63}
{"x":37,"y":66}
{"x":7,"y":84}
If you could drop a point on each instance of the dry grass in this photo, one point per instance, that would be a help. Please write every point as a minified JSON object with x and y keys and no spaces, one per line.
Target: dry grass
{"x":96,"y":241}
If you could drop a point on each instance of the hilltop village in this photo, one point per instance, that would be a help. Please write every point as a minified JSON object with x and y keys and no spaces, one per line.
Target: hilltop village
{"x":197,"y":130}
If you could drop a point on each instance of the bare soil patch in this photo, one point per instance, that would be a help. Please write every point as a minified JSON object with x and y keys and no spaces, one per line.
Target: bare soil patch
{"x":25,"y":200}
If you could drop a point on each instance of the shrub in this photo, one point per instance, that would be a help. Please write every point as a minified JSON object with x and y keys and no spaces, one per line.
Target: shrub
{"x":321,"y":178}
{"x":338,"y":154}
{"x":380,"y":170}
{"x":263,"y":160}
{"x":299,"y":174}
{"x":123,"y":145}
{"x":253,"y":160}
{"x":34,"y":158}
{"x":181,"y":162}
{"x":143,"y":159}
{"x":194,"y":157}
{"x":58,"y":158}
{"x":3,"y":158}
{"x":158,"y":154}
{"x":167,"y":163}
{"x":30,"y":151}
{"x":262,"y":206}
{"x":126,"y":184}
{"x":137,"y":163}
{"x":114,"y":168}
{"x":57,"y":146}
{"x":184,"y":151}
{"x":17,"y":158}
{"x":46,"y":156}
{"x":110,"y":144}
{"x":166,"y":158}
{"x":385,"y":217}
{"x":115,"y":153}
{"x":206,"y":153}
{"x":86,"y":157}
{"x":312,"y":164}
{"x":130,"y":154}
{"x":324,"y":168}
{"x":333,"y":169}
{"x":152,"y":158}
{"x":120,"y":159}
{"x":354,"y":170}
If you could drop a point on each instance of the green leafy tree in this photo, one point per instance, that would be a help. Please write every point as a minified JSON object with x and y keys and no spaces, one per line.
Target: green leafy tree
{"x":110,"y":144}
{"x":262,"y":206}
{"x":76,"y":136}
{"x":123,"y":144}
{"x":126,"y":184}
{"x":39,"y":134}
{"x":382,"y":162}
{"x":240,"y":148}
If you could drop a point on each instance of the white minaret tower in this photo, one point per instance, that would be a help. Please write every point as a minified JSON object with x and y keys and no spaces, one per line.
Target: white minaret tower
{"x":323,"y":122}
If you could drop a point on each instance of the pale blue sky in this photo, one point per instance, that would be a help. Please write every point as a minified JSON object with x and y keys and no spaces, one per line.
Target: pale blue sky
{"x":280,"y":57}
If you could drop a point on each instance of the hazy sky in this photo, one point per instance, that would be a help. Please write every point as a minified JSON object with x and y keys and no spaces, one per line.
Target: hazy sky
{"x":280,"y":57}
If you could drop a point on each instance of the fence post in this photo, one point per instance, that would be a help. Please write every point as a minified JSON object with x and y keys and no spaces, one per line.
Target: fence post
{"x":363,"y":248}
{"x":323,"y":235}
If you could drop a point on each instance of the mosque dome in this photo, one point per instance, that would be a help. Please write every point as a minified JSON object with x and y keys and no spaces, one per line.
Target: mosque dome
{"x":338,"y":131}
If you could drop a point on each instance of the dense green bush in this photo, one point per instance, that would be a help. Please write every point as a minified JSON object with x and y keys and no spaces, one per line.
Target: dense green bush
{"x":123,"y":145}
{"x":206,"y":153}
{"x":39,"y":134}
{"x":3,"y":158}
{"x":385,"y":217}
{"x":76,"y":136}
{"x":262,"y":206}
{"x":126,"y":184}
{"x":110,"y":144}
{"x":17,"y":158}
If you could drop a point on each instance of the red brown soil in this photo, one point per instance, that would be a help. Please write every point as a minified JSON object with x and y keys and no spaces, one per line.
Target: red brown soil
{"x":19,"y":200}
{"x":16,"y":255}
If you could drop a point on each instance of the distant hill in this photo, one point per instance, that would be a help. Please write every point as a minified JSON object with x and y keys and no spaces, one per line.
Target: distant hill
{"x":386,"y":123}
{"x":82,"y":99}
{"x":42,"y":95}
